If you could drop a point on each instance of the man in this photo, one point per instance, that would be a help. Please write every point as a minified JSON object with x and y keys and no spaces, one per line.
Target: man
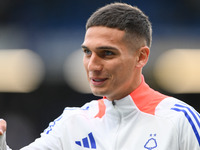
{"x":130,"y":115}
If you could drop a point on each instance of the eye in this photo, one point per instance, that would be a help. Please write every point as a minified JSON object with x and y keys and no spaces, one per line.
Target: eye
{"x":108,"y":53}
{"x":87,"y":52}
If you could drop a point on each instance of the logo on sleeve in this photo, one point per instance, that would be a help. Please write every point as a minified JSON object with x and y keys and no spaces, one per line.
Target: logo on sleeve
{"x":87,"y":142}
{"x":151,"y":143}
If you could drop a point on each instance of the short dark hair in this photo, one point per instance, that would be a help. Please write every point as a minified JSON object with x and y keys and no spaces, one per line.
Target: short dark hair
{"x":123,"y":17}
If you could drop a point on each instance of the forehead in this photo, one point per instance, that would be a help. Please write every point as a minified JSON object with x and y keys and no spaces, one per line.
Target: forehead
{"x":103,"y":35}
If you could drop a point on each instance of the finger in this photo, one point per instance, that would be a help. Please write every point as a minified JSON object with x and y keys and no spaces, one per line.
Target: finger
{"x":3,"y":126}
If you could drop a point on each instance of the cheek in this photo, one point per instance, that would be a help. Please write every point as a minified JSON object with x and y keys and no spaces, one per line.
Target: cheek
{"x":125,"y":71}
{"x":85,"y":64}
{"x":119,"y":72}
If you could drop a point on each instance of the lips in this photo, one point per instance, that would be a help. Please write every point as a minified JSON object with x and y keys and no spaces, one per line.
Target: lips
{"x":98,"y":81}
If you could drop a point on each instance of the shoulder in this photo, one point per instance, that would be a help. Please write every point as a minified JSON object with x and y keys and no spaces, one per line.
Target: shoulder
{"x":174,"y":108}
{"x":179,"y":112}
{"x":171,"y":106}
{"x":184,"y":117}
{"x":89,"y":109}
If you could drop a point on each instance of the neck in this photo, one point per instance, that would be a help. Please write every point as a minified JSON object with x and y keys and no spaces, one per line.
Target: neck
{"x":135,"y":85}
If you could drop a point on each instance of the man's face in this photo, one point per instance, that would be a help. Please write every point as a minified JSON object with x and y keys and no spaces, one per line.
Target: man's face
{"x":110,"y":65}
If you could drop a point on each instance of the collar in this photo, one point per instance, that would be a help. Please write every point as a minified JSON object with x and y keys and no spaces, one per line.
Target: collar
{"x":145,"y":98}
{"x":142,"y":99}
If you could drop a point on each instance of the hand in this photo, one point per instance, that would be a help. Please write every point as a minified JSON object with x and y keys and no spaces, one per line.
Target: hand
{"x":3,"y":126}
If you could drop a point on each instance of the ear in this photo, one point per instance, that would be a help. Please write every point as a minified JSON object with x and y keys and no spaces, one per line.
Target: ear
{"x":142,"y":56}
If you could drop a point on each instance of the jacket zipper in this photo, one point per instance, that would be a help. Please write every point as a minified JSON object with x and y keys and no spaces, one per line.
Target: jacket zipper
{"x":119,"y":126}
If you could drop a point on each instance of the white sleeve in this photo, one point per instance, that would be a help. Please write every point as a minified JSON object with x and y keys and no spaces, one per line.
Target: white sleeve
{"x":3,"y":145}
{"x":55,"y":137}
{"x":189,"y":127}
{"x":51,"y":139}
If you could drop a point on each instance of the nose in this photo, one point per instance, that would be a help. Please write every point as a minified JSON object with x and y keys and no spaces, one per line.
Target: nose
{"x":95,"y":63}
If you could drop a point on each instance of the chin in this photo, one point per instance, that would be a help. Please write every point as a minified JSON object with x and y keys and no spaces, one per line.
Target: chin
{"x":98,"y":93}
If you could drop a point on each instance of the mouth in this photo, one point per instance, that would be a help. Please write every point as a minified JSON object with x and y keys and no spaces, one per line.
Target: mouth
{"x":98,"y":81}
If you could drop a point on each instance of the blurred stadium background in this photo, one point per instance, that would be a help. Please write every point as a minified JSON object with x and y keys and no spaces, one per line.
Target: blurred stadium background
{"x":40,"y":60}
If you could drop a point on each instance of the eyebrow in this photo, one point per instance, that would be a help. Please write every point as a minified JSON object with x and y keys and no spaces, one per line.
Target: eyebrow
{"x":85,"y":47}
{"x":102,"y":47}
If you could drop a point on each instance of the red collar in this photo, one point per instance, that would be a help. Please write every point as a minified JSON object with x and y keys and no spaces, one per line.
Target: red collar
{"x":146,"y":99}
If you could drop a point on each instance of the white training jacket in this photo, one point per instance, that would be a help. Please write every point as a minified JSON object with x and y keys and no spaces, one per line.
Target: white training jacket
{"x":143,"y":120}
